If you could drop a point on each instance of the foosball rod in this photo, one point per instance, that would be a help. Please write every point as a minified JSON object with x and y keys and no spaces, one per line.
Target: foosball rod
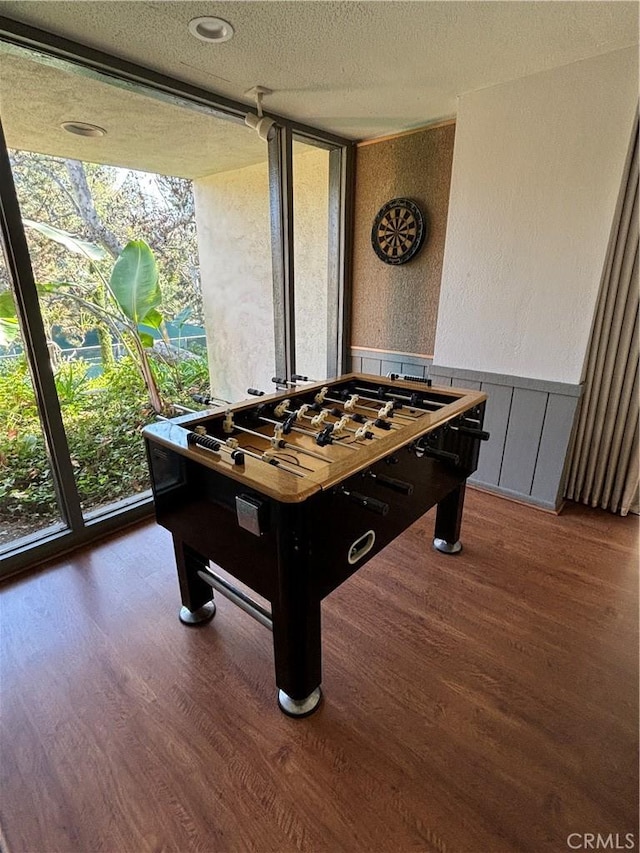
{"x":406,"y":400}
{"x":294,"y":380}
{"x":283,"y":444}
{"x":306,"y":432}
{"x":437,"y":405}
{"x":215,"y":445}
{"x":295,"y":412}
{"x":272,"y":460}
{"x":347,"y":405}
{"x":320,"y":417}
{"x":302,"y":413}
{"x":307,"y":417}
{"x":370,"y":409}
{"x":347,"y":429}
{"x":279,"y":381}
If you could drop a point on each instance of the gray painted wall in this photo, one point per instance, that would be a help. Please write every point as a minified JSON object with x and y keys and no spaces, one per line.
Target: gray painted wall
{"x":531,"y":423}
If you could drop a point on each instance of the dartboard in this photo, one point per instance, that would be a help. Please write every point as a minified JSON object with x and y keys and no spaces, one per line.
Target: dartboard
{"x":398,"y":231}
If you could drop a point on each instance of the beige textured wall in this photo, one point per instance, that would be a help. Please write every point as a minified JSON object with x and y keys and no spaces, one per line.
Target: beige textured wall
{"x":310,"y":242}
{"x":396,"y":308}
{"x":234,"y":244}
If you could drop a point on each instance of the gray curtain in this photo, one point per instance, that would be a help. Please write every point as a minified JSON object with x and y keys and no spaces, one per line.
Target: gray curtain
{"x":604,"y":465}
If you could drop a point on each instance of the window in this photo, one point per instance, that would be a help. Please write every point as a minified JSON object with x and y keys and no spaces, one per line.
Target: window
{"x":198,"y":195}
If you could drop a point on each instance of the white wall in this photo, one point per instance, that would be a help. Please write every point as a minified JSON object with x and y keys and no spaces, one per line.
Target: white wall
{"x":536,"y":174}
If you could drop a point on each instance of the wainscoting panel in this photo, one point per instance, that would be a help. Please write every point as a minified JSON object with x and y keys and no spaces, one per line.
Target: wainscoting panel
{"x":496,"y":421}
{"x":522,"y":441}
{"x":530,"y":422}
{"x":382,"y":362}
{"x":387,"y":367}
{"x":558,"y":421}
{"x":371,"y":365}
{"x":464,"y":382}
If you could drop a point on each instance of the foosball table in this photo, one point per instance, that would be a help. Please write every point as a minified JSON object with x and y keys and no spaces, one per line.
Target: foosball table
{"x":295,"y":491}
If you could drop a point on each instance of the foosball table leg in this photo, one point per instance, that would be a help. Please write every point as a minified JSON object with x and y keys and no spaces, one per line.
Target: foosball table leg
{"x":197,"y":596}
{"x":448,"y":521}
{"x":298,"y":655}
{"x":297,"y":642}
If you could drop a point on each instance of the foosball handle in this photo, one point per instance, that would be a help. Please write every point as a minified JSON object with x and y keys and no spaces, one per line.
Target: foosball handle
{"x":445,"y":455}
{"x":482,"y":434}
{"x":372,"y":504}
{"x":408,"y":378}
{"x":391,"y":483}
{"x":215,"y":446}
{"x":255,"y":392}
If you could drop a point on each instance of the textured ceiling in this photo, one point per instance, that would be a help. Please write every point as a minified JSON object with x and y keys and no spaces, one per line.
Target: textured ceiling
{"x":142,"y":132}
{"x":358,"y":69}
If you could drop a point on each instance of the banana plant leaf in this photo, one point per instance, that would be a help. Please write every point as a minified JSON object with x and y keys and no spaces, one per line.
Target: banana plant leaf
{"x":154,"y":319}
{"x":69,"y":241}
{"x":134,"y":282}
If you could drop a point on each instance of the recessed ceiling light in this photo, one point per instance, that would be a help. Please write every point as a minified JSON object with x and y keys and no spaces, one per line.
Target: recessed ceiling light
{"x":211,"y":29}
{"x":81,"y":128}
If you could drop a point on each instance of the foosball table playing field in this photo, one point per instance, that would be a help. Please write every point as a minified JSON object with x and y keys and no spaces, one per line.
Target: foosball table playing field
{"x":293,"y":492}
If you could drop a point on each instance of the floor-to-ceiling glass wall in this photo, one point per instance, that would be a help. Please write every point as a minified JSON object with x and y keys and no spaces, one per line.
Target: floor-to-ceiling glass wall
{"x":150,"y":228}
{"x":147,"y":225}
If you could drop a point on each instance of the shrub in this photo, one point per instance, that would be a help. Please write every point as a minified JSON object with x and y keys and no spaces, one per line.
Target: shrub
{"x":103,"y":419}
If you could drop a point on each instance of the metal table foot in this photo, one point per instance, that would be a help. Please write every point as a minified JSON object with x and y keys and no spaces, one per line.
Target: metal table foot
{"x":299,"y":707}
{"x":196,"y":617}
{"x":447,"y":547}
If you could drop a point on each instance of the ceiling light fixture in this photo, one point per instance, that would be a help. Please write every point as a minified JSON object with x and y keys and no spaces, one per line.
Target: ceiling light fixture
{"x":265,"y":127}
{"x":211,"y":29}
{"x":81,"y":128}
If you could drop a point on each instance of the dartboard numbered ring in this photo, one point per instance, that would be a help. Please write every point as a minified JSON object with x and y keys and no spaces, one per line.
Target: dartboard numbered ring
{"x":398,"y":231}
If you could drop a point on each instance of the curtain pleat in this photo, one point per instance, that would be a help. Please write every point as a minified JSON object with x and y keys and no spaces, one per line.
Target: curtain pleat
{"x":603,"y":470}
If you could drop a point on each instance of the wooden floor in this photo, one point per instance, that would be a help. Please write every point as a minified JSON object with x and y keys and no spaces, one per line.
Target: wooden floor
{"x":484,"y":702}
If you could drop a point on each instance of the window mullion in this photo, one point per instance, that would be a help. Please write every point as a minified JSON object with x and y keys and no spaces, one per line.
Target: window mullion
{"x":35,"y":343}
{"x":281,"y":208}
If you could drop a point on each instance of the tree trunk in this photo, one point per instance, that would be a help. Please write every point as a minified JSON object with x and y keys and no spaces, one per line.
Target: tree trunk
{"x":98,"y":231}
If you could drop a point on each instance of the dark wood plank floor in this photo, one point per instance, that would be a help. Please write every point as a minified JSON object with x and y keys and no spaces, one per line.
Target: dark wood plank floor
{"x":480,"y":703}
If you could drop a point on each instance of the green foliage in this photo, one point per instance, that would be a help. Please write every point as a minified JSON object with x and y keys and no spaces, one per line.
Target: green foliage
{"x":69,"y":241}
{"x":72,"y":382}
{"x":103,"y":419}
{"x":134,"y":294}
{"x":129,"y":203}
{"x":179,"y":381}
{"x":8,"y":319}
{"x":103,"y":416}
{"x":134,"y":283}
{"x":25,"y":478}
